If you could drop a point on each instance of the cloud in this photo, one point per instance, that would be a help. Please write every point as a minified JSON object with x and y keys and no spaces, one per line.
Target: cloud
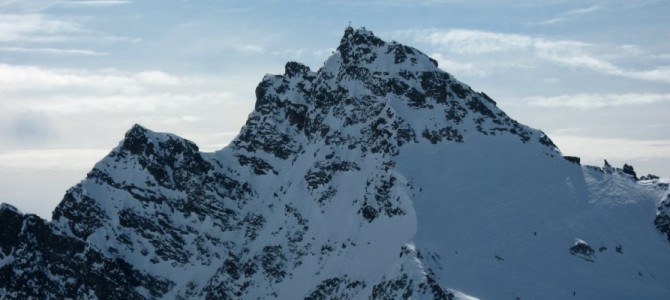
{"x":53,"y":51}
{"x":592,"y":101}
{"x":92,"y":3}
{"x":458,"y":67}
{"x":551,"y":21}
{"x":35,"y":80}
{"x":595,"y":149}
{"x":52,"y":159}
{"x":14,"y":79}
{"x":569,"y":15}
{"x":659,"y":74}
{"x":647,"y":156}
{"x":524,"y":50}
{"x":474,"y":41}
{"x":35,"y":27}
{"x":42,"y":5}
{"x":30,"y":21}
{"x":582,"y":11}
{"x":401,"y":2}
{"x":158,"y":78}
{"x":31,"y":128}
{"x":148,"y":103}
{"x":94,"y":108}
{"x":250,"y":48}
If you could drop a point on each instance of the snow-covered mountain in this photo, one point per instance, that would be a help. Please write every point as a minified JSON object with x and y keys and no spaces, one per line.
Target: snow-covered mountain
{"x":379,"y":176}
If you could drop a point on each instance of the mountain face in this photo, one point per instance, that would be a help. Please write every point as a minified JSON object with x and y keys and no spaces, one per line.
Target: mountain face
{"x":379,"y":176}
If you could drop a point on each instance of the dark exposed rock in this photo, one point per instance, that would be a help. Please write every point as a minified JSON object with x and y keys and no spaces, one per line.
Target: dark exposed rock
{"x":607,"y":168}
{"x":448,"y":133}
{"x":384,"y":202}
{"x":369,"y":213}
{"x":295,"y":68}
{"x":12,"y":221}
{"x":573,"y":159}
{"x":400,"y":288}
{"x":628,"y":169}
{"x":649,"y":177}
{"x":49,"y":265}
{"x":273,"y":261}
{"x":435,"y":86}
{"x":436,"y":290}
{"x":582,"y":250}
{"x":82,"y":212}
{"x":662,"y":220}
{"x":253,"y":223}
{"x":336,"y":288}
{"x":258,"y":165}
{"x":317,"y":178}
{"x":416,"y":99}
{"x":356,"y":46}
{"x":545,"y":140}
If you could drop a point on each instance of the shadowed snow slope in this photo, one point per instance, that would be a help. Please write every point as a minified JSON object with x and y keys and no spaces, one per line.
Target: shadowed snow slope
{"x":379,"y":176}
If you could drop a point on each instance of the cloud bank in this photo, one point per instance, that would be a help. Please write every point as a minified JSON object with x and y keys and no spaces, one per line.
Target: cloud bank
{"x":532,"y":51}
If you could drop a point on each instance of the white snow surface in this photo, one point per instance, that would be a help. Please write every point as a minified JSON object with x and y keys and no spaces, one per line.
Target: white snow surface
{"x":499,"y":224}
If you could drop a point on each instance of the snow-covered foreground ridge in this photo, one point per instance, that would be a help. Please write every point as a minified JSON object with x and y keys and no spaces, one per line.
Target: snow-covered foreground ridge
{"x":379,"y":176}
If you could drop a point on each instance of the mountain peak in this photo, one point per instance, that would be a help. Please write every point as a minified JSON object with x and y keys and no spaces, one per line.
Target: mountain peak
{"x":8,"y":207}
{"x":379,"y":176}
{"x":136,"y":139}
{"x":292,"y":69}
{"x":357,"y":44}
{"x":375,"y":95}
{"x":359,"y":47}
{"x":360,"y":37}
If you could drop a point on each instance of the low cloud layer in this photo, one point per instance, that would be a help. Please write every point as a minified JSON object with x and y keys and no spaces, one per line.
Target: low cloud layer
{"x":68,"y":107}
{"x":594,"y":101}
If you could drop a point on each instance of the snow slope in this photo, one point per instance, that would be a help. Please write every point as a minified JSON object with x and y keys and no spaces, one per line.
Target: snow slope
{"x":502,"y":225}
{"x":377,"y":176}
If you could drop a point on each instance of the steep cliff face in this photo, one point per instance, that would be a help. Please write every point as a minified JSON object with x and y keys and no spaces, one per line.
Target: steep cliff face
{"x":377,"y":176}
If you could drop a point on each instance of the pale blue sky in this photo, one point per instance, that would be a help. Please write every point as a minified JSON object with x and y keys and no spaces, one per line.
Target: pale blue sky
{"x":75,"y":75}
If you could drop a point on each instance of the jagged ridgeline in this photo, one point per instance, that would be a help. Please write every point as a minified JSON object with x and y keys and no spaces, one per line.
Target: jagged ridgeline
{"x":378,"y":176}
